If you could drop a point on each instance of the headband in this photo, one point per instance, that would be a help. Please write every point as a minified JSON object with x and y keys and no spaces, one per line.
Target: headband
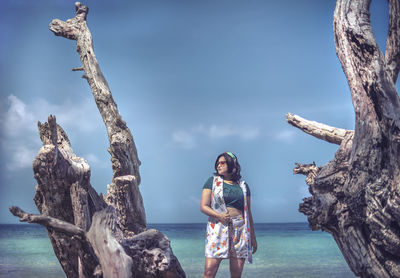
{"x":231,"y":155}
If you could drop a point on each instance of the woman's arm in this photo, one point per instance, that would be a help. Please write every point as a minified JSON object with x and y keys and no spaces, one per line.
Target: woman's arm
{"x":205,"y":208}
{"x":252,"y":231}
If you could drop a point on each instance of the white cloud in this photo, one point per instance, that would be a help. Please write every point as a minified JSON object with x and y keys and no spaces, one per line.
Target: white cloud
{"x":250,"y":133}
{"x":285,"y":135}
{"x":18,"y":124}
{"x":90,"y":157}
{"x":215,"y":132}
{"x":93,"y":160}
{"x":186,"y":138}
{"x":221,"y":131}
{"x":17,"y":118}
{"x":183,"y":139}
{"x":21,"y":117}
{"x":21,"y":157}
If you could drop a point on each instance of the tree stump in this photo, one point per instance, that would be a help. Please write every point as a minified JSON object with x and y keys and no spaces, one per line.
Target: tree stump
{"x":356,"y":196}
{"x":92,"y":235}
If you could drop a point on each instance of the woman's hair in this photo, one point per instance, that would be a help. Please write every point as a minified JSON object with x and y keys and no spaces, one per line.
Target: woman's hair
{"x":233,"y":166}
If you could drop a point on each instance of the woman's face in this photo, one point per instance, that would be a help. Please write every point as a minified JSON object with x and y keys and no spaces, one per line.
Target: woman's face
{"x":222,"y":166}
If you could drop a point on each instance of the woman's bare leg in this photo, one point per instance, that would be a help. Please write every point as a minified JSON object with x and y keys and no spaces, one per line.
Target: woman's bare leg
{"x":211,"y":267}
{"x":236,"y":267}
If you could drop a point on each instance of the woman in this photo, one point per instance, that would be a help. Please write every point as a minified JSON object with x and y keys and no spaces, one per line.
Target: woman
{"x":230,"y":229}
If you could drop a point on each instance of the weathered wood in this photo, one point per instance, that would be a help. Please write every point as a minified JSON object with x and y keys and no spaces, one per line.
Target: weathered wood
{"x":356,"y":196}
{"x":48,"y":222}
{"x":124,"y":195}
{"x":113,"y":259}
{"x":94,"y":236}
{"x":309,"y":170}
{"x":147,"y":254}
{"x":156,"y":259}
{"x":321,"y":131}
{"x":392,"y":53}
{"x":124,"y":158}
{"x":76,"y":237}
{"x":62,"y":193}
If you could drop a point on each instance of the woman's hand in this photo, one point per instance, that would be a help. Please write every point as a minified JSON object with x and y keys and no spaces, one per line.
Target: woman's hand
{"x":254,"y":244}
{"x":224,"y":218}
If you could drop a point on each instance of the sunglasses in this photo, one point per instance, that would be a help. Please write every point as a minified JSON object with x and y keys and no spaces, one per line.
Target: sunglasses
{"x":221,"y":163}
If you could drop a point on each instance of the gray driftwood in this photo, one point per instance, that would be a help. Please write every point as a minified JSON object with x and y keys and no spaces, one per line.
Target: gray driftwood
{"x":92,"y":235}
{"x":356,"y":196}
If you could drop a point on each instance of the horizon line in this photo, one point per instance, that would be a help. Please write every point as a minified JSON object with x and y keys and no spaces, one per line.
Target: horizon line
{"x":176,"y":223}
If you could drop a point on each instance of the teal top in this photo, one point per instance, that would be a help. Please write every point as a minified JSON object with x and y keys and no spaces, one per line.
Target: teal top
{"x":233,"y":194}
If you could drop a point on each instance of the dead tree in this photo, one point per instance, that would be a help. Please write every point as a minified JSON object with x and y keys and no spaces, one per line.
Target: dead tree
{"x":92,"y":235}
{"x":356,"y":196}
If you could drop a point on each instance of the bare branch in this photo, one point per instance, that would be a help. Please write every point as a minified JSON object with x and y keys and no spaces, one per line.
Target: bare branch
{"x":47,"y":221}
{"x":123,"y":152}
{"x":309,"y":170}
{"x":321,"y":131}
{"x":70,"y":29}
{"x":61,"y":28}
{"x":124,"y":158}
{"x":392,"y":54}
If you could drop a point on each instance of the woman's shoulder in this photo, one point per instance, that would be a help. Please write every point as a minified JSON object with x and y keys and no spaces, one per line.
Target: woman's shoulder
{"x":211,"y":179}
{"x":208,"y":183}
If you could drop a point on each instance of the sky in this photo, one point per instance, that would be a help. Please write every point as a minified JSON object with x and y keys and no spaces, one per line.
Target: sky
{"x":192,"y":79}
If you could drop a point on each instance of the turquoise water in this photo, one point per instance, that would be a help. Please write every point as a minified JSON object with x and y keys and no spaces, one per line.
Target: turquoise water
{"x":284,"y":250}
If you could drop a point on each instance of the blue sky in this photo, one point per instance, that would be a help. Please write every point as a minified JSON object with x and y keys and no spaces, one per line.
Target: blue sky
{"x":192,"y":79}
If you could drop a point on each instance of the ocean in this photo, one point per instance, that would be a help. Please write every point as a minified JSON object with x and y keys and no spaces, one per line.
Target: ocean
{"x":284,"y":250}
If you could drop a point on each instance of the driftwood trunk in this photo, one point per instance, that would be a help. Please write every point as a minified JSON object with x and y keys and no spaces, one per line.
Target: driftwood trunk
{"x":92,"y":235}
{"x":356,"y":196}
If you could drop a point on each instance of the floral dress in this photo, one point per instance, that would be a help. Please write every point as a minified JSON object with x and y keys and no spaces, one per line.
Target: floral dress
{"x":232,"y":240}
